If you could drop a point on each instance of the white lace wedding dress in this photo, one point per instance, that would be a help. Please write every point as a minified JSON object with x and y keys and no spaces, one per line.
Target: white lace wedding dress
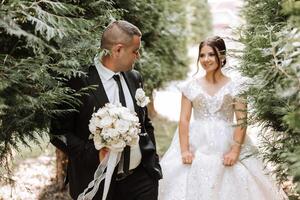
{"x":210,"y":137}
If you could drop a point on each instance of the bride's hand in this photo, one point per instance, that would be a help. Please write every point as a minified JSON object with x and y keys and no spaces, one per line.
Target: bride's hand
{"x":187,"y":157}
{"x":231,"y":157}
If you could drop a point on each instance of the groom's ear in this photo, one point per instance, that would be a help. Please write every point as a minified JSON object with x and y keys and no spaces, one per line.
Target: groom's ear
{"x":116,"y":49}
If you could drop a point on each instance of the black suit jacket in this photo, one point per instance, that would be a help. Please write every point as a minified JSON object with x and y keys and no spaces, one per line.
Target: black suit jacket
{"x":82,"y":155}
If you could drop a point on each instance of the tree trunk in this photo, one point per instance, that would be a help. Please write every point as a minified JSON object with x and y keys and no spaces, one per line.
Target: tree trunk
{"x":61,"y":168}
{"x":151,"y":109}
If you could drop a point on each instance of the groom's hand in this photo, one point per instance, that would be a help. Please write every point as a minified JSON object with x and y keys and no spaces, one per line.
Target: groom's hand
{"x":102,"y":153}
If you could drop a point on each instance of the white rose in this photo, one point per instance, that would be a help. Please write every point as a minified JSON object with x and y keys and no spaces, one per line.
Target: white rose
{"x":122,"y":126}
{"x":141,"y":99}
{"x":109,"y":106}
{"x":92,"y":126}
{"x":102,"y":112}
{"x":105,"y":122}
{"x":139,"y":94}
{"x":97,"y":121}
{"x":94,"y":123}
{"x":125,"y":112}
{"x":114,"y":112}
{"x":109,"y":133}
{"x":134,"y":131}
{"x":144,"y":102}
{"x":129,"y":117}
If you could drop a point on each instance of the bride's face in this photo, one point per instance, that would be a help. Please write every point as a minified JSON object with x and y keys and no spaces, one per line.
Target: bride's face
{"x":208,"y":59}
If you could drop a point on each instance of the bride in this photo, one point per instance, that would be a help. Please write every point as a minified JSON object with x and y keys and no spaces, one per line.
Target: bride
{"x":211,"y":158}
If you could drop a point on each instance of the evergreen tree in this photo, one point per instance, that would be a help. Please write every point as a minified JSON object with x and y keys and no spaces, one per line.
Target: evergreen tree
{"x":200,"y":19}
{"x":272,"y":58}
{"x":43,"y":43}
{"x":163,"y":24}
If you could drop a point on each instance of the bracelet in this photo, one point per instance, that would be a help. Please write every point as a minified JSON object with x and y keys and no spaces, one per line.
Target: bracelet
{"x":237,"y":143}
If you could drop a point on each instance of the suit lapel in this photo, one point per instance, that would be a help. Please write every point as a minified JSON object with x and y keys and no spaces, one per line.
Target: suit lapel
{"x":99,"y":93}
{"x":132,"y":88}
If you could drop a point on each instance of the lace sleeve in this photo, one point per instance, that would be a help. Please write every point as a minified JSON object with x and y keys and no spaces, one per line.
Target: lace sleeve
{"x":189,"y":89}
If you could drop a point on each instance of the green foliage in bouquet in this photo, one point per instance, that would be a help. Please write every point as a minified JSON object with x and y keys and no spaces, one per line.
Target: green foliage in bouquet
{"x":272,"y":59}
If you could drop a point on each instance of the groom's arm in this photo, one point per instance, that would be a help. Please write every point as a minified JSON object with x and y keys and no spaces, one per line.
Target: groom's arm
{"x":62,"y":124}
{"x":74,"y":146}
{"x":63,"y":127}
{"x":147,"y":122}
{"x":149,"y":127}
{"x":150,"y":131}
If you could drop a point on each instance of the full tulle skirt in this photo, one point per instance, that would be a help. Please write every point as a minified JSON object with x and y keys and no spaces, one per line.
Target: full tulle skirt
{"x":207,"y":178}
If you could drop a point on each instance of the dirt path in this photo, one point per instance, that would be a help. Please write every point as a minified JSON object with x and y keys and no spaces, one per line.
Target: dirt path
{"x":34,"y":181}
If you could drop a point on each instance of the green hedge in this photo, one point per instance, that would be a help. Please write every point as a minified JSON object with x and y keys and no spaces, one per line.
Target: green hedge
{"x":272,"y":58}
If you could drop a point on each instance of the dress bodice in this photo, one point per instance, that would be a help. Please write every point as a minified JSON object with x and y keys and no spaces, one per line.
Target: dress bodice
{"x":220,"y":106}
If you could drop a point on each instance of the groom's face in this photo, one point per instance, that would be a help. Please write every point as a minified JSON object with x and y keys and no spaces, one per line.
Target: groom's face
{"x":129,"y":54}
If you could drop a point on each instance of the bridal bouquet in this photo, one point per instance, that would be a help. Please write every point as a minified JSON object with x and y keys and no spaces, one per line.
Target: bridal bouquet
{"x":112,"y":126}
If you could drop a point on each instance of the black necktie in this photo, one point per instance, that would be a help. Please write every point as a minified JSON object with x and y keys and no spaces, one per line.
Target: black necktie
{"x":126,"y":151}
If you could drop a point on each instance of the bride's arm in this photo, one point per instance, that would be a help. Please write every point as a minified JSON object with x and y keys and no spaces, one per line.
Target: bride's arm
{"x":184,"y":122}
{"x":239,"y":132}
{"x":241,"y":118}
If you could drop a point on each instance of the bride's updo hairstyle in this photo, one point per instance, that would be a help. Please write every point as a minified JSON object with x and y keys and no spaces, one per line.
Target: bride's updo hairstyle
{"x":219,"y":48}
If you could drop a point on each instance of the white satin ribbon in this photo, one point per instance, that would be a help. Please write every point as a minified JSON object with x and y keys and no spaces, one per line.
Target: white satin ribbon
{"x":109,"y":162}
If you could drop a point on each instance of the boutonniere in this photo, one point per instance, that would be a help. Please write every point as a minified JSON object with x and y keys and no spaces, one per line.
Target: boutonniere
{"x":141,"y":99}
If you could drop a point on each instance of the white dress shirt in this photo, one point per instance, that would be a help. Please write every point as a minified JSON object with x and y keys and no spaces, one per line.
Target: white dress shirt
{"x":112,"y":92}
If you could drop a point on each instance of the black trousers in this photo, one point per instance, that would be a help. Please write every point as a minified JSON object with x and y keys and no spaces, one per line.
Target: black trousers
{"x":137,"y":186}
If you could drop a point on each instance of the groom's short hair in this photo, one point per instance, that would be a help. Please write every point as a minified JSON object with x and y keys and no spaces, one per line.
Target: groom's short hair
{"x":119,"y":31}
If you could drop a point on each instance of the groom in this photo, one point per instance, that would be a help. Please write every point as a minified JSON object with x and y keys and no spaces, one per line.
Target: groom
{"x":138,"y":172}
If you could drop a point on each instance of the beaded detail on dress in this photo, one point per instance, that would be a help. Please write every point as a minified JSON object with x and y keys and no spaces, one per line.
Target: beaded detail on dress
{"x":210,"y":137}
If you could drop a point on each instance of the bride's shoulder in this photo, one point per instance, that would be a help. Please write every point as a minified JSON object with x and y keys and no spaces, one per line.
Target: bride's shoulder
{"x":189,"y":88}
